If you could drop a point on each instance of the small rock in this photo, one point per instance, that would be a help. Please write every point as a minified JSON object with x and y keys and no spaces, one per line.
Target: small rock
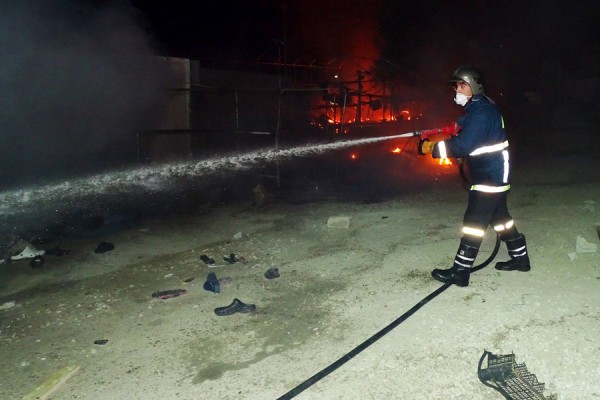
{"x":338,"y":222}
{"x":7,"y":305}
{"x":583,"y":246}
{"x":272,"y":273}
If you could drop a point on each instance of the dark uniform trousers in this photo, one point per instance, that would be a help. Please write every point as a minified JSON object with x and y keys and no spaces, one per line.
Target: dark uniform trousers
{"x":486,"y":209}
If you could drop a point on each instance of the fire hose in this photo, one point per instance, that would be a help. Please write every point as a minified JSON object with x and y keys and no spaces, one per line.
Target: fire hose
{"x":358,"y":349}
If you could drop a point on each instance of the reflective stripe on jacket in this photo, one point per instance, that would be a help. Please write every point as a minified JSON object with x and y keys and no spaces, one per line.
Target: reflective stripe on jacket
{"x":482,"y":142}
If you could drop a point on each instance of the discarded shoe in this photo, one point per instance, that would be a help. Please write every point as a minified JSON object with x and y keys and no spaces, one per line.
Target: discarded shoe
{"x":212,"y":283}
{"x":167,"y":294}
{"x":103,"y":247}
{"x":272,"y":273}
{"x":236,"y":306}
{"x":232,"y":259}
{"x":207,"y":260}
{"x":28,"y":252}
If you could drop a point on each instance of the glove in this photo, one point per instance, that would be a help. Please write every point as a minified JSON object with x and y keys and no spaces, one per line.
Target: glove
{"x":425,"y":147}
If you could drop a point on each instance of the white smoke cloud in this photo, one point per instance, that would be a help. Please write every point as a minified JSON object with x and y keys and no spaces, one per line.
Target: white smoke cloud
{"x":77,"y":82}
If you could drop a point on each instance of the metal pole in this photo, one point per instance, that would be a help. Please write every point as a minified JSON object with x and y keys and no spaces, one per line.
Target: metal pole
{"x":278,"y":118}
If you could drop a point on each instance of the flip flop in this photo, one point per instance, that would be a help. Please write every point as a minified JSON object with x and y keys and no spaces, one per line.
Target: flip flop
{"x":207,"y":259}
{"x":232,"y":259}
{"x":167,"y":294}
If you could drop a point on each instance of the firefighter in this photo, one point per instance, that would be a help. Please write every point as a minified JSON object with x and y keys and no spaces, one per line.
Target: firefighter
{"x":482,"y":143}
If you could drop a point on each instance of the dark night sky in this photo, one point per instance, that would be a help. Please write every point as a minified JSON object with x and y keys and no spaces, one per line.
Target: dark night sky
{"x":78,"y":77}
{"x":522,"y":46}
{"x":216,"y":29}
{"x":414,"y":33}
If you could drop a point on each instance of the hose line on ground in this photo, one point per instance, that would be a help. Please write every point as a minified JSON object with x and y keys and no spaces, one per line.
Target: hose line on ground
{"x":358,"y":349}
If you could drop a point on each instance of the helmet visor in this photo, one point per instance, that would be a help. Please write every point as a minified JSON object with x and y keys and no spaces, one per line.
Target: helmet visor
{"x":455,"y":84}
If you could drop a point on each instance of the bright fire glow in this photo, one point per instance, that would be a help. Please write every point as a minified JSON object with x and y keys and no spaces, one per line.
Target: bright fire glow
{"x":445,"y":161}
{"x":396,"y":150}
{"x":354,"y":156}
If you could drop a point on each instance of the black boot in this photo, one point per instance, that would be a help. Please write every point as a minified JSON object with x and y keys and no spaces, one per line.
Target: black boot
{"x":519,"y":259}
{"x":459,"y":273}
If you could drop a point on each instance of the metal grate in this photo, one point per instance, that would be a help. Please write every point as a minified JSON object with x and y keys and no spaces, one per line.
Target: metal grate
{"x":511,"y":379}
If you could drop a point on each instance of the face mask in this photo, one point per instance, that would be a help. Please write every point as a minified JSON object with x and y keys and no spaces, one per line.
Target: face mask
{"x":461,"y":99}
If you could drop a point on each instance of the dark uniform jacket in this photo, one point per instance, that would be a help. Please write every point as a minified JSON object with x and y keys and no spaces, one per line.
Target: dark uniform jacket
{"x":482,"y":141}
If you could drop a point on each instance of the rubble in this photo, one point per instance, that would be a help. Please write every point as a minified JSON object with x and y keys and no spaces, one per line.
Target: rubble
{"x":338,"y":222}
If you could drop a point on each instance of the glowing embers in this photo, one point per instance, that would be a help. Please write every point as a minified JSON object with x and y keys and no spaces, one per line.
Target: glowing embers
{"x":353,"y":156}
{"x":397,"y":150}
{"x":443,"y":161}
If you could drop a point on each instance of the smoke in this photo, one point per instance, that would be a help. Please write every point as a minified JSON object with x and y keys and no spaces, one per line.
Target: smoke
{"x":337,"y":33}
{"x":78,"y":81}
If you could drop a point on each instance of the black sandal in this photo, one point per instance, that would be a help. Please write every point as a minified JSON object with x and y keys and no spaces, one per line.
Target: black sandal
{"x":207,"y":259}
{"x":236,"y":306}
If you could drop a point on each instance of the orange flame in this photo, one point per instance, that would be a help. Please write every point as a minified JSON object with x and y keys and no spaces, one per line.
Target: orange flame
{"x":397,"y":150}
{"x":445,"y":161}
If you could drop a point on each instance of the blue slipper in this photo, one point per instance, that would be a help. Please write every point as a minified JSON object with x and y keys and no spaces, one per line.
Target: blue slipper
{"x":212,"y":283}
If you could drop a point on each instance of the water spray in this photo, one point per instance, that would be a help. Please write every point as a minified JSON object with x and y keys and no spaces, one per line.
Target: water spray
{"x":76,"y":193}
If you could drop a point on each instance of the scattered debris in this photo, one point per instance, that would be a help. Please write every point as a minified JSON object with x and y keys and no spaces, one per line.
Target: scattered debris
{"x":232,"y":259}
{"x":7,"y":305}
{"x":212,"y":283}
{"x":101,"y":341}
{"x":236,"y":306}
{"x":338,"y":222}
{"x":13,"y":248}
{"x":583,"y":246}
{"x":207,"y":260}
{"x":103,"y":247}
{"x":512,"y":380}
{"x":167,"y":294}
{"x":188,"y":280}
{"x":272,"y":273}
{"x":28,"y":252}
